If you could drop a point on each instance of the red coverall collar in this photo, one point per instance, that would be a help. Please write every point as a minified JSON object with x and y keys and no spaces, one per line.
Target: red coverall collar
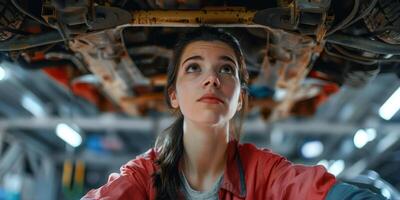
{"x":234,"y":180}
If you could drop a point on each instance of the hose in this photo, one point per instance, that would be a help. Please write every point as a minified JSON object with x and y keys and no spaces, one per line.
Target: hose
{"x":373,"y":46}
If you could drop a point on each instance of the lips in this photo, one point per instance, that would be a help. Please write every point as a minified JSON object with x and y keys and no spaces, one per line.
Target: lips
{"x":210,"y":98}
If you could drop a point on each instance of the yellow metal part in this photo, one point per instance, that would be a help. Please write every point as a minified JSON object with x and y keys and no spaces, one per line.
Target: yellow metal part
{"x":236,"y":16}
{"x":79,"y":172}
{"x":67,"y":173}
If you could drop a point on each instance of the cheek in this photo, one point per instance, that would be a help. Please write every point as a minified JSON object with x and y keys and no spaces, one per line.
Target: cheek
{"x":184,"y":93}
{"x":232,"y":89}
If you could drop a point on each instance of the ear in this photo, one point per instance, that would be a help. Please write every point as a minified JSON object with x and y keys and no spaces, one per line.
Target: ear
{"x":240,"y":103}
{"x":173,"y":99}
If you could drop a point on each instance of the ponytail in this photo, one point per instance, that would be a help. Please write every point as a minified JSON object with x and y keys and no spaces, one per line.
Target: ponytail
{"x":170,"y":144}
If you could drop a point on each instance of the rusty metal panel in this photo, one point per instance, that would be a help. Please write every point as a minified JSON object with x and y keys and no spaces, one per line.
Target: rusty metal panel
{"x":237,"y":17}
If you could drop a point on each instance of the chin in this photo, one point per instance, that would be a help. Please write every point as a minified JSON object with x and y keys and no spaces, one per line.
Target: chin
{"x":209,"y":118}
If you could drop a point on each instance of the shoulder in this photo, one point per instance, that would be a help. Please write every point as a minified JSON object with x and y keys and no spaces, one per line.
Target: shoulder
{"x":260,"y":160}
{"x":250,"y":153}
{"x":139,"y":170}
{"x":144,"y":163}
{"x":275,"y":166}
{"x":284,"y":179}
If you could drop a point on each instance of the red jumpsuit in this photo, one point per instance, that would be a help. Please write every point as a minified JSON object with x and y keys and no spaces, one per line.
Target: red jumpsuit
{"x":250,"y":173}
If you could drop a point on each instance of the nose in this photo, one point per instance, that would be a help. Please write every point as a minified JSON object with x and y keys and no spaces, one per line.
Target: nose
{"x":212,"y":80}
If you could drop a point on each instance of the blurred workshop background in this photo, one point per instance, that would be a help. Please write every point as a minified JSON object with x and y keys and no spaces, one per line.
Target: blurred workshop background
{"x":81,"y":95}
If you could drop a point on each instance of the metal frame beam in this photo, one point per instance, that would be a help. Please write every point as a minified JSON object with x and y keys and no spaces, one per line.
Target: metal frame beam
{"x":316,"y":127}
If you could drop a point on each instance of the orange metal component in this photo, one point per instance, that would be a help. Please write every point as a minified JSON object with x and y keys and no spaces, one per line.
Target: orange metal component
{"x":87,"y":91}
{"x":143,"y":99}
{"x":144,"y":102}
{"x":159,"y":80}
{"x":67,"y":173}
{"x":64,"y":74}
{"x":37,"y":56}
{"x":264,"y":103}
{"x":230,"y":16}
{"x":308,"y":107}
{"x":61,"y":74}
{"x":79,"y":172}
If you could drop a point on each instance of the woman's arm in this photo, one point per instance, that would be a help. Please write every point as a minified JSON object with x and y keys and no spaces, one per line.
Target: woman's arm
{"x":290,"y":181}
{"x":343,"y":191}
{"x":131,"y":183}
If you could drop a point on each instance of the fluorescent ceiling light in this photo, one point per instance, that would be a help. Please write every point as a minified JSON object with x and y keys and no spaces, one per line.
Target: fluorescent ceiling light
{"x":337,"y":167}
{"x":371,"y":134}
{"x":3,"y":73}
{"x":280,"y":94}
{"x":334,"y":167}
{"x":69,"y":135}
{"x":33,"y":106}
{"x":386,"y":193}
{"x":362,"y":137}
{"x":324,"y":163}
{"x":391,"y":106}
{"x":312,"y":149}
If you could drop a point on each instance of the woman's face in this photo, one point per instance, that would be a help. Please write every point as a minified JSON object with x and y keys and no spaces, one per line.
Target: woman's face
{"x":207,"y":85}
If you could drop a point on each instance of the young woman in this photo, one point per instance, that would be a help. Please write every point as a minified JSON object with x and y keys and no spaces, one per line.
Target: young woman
{"x":198,"y":156}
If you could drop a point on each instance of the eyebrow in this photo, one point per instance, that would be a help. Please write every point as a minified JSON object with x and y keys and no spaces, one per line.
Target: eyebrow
{"x":227,"y":58}
{"x":193,"y":58}
{"x":197,"y":57}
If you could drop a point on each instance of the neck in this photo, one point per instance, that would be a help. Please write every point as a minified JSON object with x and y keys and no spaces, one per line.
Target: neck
{"x":205,"y":153}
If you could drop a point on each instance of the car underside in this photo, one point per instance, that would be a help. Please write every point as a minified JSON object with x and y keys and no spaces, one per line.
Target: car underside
{"x":115,"y":53}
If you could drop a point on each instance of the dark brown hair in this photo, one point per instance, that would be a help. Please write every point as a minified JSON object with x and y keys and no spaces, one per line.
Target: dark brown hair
{"x":170,"y":142}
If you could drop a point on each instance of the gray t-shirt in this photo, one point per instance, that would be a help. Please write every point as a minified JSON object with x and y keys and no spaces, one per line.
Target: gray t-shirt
{"x":191,"y":194}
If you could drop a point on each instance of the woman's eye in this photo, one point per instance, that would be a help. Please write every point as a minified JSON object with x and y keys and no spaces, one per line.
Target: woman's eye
{"x":192,"y":68}
{"x":227,"y":69}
